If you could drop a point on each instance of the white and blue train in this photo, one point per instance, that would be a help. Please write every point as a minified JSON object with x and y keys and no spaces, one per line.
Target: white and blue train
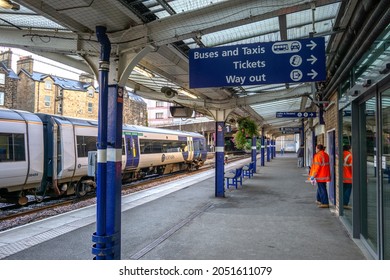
{"x":48,"y":154}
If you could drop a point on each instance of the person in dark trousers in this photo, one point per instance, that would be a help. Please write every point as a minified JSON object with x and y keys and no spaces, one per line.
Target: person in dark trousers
{"x":320,"y":172}
{"x":300,"y":154}
{"x":347,"y":176}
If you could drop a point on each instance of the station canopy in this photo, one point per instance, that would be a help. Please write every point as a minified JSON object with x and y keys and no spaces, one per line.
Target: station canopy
{"x":65,"y":31}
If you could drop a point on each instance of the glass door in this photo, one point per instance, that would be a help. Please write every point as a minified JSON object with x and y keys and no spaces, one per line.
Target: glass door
{"x":368,"y":173}
{"x":346,"y":164}
{"x":385,"y":170}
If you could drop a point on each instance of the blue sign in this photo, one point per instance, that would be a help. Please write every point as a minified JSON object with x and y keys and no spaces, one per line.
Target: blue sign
{"x":296,"y":114}
{"x":291,"y":129}
{"x":261,"y":63}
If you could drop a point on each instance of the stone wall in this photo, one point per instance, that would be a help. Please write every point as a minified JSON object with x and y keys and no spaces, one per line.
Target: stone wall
{"x":9,"y":88}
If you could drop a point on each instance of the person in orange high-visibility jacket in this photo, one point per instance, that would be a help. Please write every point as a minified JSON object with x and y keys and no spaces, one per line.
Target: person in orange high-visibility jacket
{"x":347,"y":175}
{"x":320,"y":172}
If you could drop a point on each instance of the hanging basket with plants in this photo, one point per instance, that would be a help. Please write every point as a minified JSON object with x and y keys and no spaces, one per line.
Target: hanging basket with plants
{"x":247,"y":128}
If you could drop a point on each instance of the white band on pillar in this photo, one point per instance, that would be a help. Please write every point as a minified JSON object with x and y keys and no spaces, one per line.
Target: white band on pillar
{"x":102,"y":156}
{"x":114,"y":155}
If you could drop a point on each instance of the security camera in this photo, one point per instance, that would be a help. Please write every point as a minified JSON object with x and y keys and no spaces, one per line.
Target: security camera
{"x":168,"y":92}
{"x":355,"y":93}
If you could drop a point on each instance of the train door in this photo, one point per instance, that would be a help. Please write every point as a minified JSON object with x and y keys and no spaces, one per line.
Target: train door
{"x":197,"y":147}
{"x":190,"y":147}
{"x":66,"y":152}
{"x":132,"y":150}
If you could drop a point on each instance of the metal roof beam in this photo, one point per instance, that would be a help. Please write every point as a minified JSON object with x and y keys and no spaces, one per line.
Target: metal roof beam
{"x":196,"y":23}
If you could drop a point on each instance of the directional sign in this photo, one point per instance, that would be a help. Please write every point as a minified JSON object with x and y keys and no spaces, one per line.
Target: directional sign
{"x":261,"y":63}
{"x":291,"y":129}
{"x":296,"y":114}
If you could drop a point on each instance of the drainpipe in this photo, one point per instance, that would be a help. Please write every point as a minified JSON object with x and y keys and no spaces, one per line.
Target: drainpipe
{"x":100,"y":248}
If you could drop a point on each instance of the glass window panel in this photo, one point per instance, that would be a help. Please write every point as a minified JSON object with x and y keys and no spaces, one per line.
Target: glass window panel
{"x":368,"y":172}
{"x":386,"y":170}
{"x":12,"y":147}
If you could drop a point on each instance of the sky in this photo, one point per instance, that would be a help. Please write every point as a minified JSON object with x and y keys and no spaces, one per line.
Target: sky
{"x":44,"y":65}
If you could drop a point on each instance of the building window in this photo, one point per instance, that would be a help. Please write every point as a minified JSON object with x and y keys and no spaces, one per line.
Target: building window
{"x":90,"y":107}
{"x":48,"y":85}
{"x":47,"y":101}
{"x":159,"y":104}
{"x":2,"y":79}
{"x":90,"y":92}
{"x":1,"y":98}
{"x":159,"y":115}
{"x":59,"y":108}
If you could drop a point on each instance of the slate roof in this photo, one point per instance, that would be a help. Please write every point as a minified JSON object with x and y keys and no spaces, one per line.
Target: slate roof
{"x":11,"y":74}
{"x":70,"y":84}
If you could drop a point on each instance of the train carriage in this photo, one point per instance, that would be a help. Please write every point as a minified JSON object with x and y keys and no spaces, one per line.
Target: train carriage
{"x":21,"y":154}
{"x":48,"y":154}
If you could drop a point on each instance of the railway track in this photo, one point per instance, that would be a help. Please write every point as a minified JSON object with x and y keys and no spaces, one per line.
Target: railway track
{"x":12,"y":216}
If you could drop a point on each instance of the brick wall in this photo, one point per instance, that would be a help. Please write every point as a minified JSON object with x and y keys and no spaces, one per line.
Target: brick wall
{"x":331,"y":122}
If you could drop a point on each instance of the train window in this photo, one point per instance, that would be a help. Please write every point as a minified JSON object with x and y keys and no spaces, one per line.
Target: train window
{"x":85,"y":144}
{"x":12,"y":147}
{"x":161,"y":146}
{"x":196,"y":145}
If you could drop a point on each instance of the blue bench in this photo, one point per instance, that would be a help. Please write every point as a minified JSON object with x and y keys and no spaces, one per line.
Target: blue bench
{"x":233,"y":178}
{"x":247,"y":170}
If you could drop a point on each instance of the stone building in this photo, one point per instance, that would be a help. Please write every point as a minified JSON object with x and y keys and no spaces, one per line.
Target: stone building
{"x":45,"y":93}
{"x":8,"y":81}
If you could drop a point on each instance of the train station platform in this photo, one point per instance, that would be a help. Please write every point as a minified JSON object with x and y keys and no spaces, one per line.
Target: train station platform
{"x":273,"y":216}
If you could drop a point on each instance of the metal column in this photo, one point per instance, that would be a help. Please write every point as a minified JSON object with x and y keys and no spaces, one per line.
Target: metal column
{"x":114,"y":167}
{"x":254,"y":152}
{"x":219,"y":159}
{"x":268,"y":151}
{"x":100,"y":249}
{"x":262,"y":147}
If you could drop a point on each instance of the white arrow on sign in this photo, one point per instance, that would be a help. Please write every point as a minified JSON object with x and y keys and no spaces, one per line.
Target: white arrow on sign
{"x":312,"y":45}
{"x":313,"y":59}
{"x":313,"y":74}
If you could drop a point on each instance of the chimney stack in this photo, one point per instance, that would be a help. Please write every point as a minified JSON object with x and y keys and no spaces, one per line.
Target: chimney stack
{"x":6,"y":58}
{"x":26,"y":63}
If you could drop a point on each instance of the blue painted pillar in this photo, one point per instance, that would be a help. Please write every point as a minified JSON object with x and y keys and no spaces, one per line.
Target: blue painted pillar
{"x":272,"y":148}
{"x":262,"y":147}
{"x":254,"y":152}
{"x":114,"y":167}
{"x":219,"y":159}
{"x":268,"y":151}
{"x":99,"y":249}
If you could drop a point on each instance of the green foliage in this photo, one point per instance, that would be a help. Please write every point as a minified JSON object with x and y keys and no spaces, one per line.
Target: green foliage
{"x":247,"y":128}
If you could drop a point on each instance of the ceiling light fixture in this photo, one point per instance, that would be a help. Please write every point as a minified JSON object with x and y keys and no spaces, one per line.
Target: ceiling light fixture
{"x":7,"y":4}
{"x":182,"y":91}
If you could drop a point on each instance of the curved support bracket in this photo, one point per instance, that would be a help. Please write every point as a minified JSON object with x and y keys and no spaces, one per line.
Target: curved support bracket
{"x":221,"y":115}
{"x":92,"y":64}
{"x":124,"y":72}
